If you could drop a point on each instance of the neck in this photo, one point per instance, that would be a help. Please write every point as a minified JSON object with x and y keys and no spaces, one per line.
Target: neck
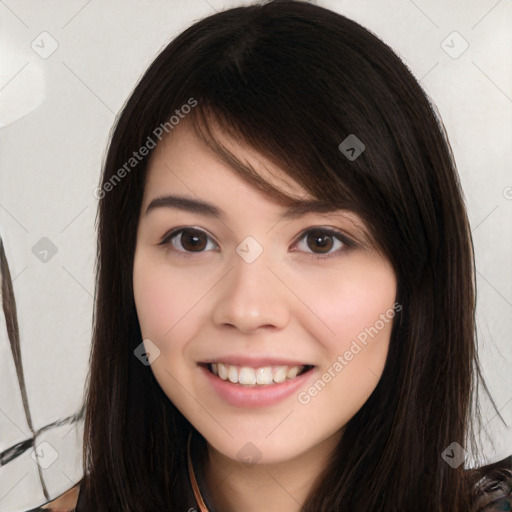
{"x":280,"y":487}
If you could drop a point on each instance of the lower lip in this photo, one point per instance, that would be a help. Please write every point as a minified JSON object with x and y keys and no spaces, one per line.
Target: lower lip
{"x":257,"y":395}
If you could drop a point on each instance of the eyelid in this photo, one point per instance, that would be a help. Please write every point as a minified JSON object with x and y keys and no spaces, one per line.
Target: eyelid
{"x":179,"y":229}
{"x":347,"y":242}
{"x":328,"y":231}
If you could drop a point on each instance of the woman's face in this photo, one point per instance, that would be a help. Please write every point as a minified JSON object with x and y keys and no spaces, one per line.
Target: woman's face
{"x":224,"y":274}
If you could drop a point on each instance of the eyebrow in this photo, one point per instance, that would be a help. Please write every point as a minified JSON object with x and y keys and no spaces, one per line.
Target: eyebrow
{"x":299,"y":209}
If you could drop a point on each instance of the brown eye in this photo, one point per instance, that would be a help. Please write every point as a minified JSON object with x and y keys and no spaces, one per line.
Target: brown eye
{"x":193,"y":241}
{"x":189,"y":240}
{"x":320,"y":240}
{"x":323,"y":242}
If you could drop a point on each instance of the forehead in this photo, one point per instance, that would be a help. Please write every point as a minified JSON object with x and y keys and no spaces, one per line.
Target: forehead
{"x":185,"y":173}
{"x":183,"y":160}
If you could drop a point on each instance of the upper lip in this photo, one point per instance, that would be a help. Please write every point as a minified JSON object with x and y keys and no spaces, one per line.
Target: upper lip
{"x":254,"y":362}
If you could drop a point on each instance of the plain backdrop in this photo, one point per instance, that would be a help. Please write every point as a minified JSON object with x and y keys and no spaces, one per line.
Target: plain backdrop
{"x":68,"y":66}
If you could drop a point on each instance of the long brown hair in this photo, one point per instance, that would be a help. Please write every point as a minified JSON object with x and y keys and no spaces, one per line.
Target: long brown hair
{"x":293,"y":80}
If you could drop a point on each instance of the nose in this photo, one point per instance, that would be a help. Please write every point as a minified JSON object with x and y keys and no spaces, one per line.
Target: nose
{"x":251,"y":297}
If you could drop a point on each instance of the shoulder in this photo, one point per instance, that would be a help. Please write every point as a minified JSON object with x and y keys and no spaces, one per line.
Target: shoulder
{"x":494,"y":486}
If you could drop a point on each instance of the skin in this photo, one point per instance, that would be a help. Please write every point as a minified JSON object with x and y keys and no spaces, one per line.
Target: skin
{"x":287,"y":303}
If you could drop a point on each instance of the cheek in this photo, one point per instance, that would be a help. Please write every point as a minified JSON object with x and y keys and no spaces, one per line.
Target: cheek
{"x":164,"y":302}
{"x":353,"y":303}
{"x":168,"y":301}
{"x":358,"y":307}
{"x":161,"y":297}
{"x":155,"y":299}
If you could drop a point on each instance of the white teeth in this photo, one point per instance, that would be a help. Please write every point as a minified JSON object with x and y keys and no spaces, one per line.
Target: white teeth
{"x":223,"y":371}
{"x":292,"y":372}
{"x":280,"y":374}
{"x":264,"y":375}
{"x":233,"y":374}
{"x":247,"y":376}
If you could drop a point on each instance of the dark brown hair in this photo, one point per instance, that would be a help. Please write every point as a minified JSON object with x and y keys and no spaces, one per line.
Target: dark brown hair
{"x":292,"y":80}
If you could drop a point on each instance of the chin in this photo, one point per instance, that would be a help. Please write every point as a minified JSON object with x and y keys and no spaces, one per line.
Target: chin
{"x":252,"y":448}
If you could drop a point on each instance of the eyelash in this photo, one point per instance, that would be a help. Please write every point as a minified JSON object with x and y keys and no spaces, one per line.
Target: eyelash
{"x":338,"y":235}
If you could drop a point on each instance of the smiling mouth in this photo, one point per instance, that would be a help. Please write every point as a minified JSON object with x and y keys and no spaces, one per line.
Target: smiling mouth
{"x":263,"y":376}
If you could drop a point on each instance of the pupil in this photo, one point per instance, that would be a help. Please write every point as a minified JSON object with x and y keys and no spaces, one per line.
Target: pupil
{"x":324,"y":242}
{"x":192,"y":241}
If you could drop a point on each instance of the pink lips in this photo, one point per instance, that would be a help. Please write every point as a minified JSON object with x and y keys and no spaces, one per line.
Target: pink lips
{"x":255,"y":396}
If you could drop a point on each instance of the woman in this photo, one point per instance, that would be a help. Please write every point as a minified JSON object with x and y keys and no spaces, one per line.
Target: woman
{"x":285,"y":285}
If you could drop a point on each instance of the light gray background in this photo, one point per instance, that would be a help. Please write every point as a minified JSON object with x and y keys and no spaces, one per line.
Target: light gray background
{"x":57,"y":111}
